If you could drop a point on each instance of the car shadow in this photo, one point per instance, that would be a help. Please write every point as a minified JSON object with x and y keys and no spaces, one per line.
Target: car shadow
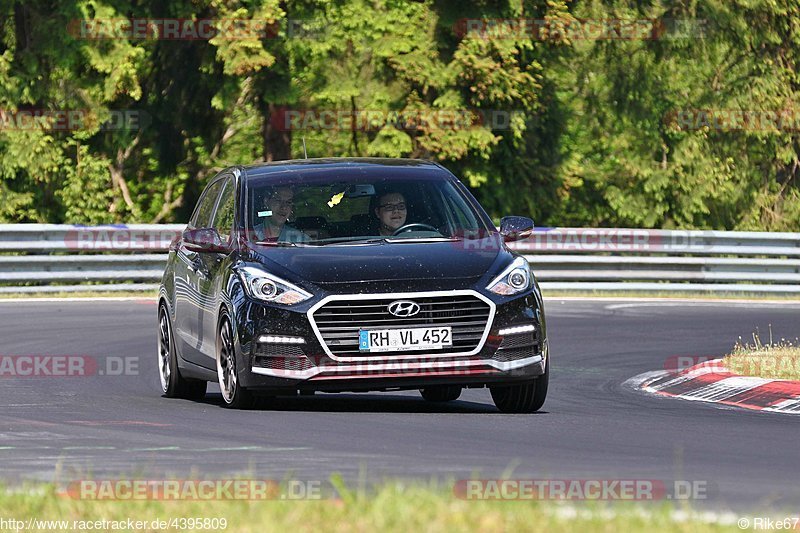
{"x":363,"y":403}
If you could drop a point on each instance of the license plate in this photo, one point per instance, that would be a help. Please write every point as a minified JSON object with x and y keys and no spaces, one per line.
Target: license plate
{"x":404,"y":340}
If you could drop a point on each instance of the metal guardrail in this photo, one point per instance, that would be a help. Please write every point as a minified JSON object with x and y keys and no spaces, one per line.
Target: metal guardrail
{"x":639,"y":260}
{"x":62,"y":258}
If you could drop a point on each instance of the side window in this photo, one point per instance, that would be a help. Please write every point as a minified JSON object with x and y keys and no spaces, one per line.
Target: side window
{"x":202,"y":216}
{"x":223,"y":217}
{"x":465,"y":217}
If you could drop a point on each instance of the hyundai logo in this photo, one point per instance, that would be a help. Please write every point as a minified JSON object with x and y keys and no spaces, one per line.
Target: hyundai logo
{"x":403,"y":308}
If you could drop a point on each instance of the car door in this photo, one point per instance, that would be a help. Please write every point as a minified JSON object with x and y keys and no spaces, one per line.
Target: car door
{"x":189,"y":273}
{"x":213,"y":267}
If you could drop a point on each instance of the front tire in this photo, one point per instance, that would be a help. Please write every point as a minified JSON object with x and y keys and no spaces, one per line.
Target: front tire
{"x":447,"y":393}
{"x":173,"y":385}
{"x":524,"y":398}
{"x":233,"y":394}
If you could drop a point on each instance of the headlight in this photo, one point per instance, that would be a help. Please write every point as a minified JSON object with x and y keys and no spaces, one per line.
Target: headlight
{"x":268,"y":288}
{"x":514,"y":279}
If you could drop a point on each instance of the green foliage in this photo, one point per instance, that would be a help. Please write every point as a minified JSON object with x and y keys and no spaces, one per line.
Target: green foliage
{"x":571,"y":131}
{"x":87,"y":192}
{"x":643,"y":170}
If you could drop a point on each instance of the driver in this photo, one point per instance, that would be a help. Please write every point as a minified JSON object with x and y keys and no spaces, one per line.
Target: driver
{"x":391,"y":212}
{"x":278,"y":207}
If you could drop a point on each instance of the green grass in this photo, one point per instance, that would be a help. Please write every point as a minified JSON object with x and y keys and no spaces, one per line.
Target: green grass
{"x":393,"y":507}
{"x":771,"y":360}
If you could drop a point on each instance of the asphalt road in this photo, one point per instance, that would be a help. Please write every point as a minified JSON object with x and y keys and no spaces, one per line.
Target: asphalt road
{"x":591,"y":428}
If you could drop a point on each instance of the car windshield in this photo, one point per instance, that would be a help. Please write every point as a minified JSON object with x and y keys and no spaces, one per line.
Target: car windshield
{"x":286,"y":212}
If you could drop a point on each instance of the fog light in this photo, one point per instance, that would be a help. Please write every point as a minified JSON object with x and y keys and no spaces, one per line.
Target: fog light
{"x":276,"y":339}
{"x":517,"y":329}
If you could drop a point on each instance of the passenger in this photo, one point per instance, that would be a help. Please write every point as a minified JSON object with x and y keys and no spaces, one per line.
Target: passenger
{"x":277,"y":209}
{"x":391,"y":212}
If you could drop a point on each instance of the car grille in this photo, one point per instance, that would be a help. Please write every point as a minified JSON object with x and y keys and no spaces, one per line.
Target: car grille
{"x":281,"y":357}
{"x":283,"y":363}
{"x":338,"y":322}
{"x":279,"y":350}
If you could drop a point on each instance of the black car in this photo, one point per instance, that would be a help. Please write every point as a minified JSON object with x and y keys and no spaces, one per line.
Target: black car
{"x":332,"y":275}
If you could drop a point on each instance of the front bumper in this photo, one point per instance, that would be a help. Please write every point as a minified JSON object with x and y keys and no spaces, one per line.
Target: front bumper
{"x":310,"y":365}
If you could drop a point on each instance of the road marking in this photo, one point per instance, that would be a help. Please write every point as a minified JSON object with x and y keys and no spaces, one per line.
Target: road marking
{"x":715,"y":303}
{"x":786,"y":406}
{"x":669,"y":300}
{"x":30,"y":404}
{"x":89,"y":448}
{"x":250,"y":448}
{"x":118,"y":423}
{"x":153,"y":300}
{"x":710,"y":517}
{"x":647,"y":377}
{"x":162,"y":449}
{"x":137,"y":299}
{"x":221,"y":449}
{"x":714,"y":384}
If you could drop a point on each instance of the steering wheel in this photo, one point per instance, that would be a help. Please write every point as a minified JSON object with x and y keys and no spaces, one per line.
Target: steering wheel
{"x":408,"y":227}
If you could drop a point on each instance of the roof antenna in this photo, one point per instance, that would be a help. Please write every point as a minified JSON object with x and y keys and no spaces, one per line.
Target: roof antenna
{"x":305,"y":154}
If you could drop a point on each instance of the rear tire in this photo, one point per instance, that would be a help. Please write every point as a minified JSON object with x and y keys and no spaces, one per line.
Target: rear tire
{"x":173,"y":385}
{"x":233,"y":394}
{"x":524,"y":398}
{"x":446,"y":393}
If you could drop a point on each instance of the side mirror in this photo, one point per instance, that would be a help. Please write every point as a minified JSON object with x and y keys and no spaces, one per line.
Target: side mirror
{"x":515,"y":228}
{"x":204,"y":240}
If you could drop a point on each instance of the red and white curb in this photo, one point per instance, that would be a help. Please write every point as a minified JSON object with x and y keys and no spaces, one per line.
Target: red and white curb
{"x":712,"y":382}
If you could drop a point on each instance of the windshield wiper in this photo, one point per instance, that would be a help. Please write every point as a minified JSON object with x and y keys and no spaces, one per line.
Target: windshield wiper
{"x":345,"y":240}
{"x":422,"y":239}
{"x":375,"y":240}
{"x":273,"y":243}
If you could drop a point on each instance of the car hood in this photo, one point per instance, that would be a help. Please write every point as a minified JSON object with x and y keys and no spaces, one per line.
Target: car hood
{"x":382,"y":261}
